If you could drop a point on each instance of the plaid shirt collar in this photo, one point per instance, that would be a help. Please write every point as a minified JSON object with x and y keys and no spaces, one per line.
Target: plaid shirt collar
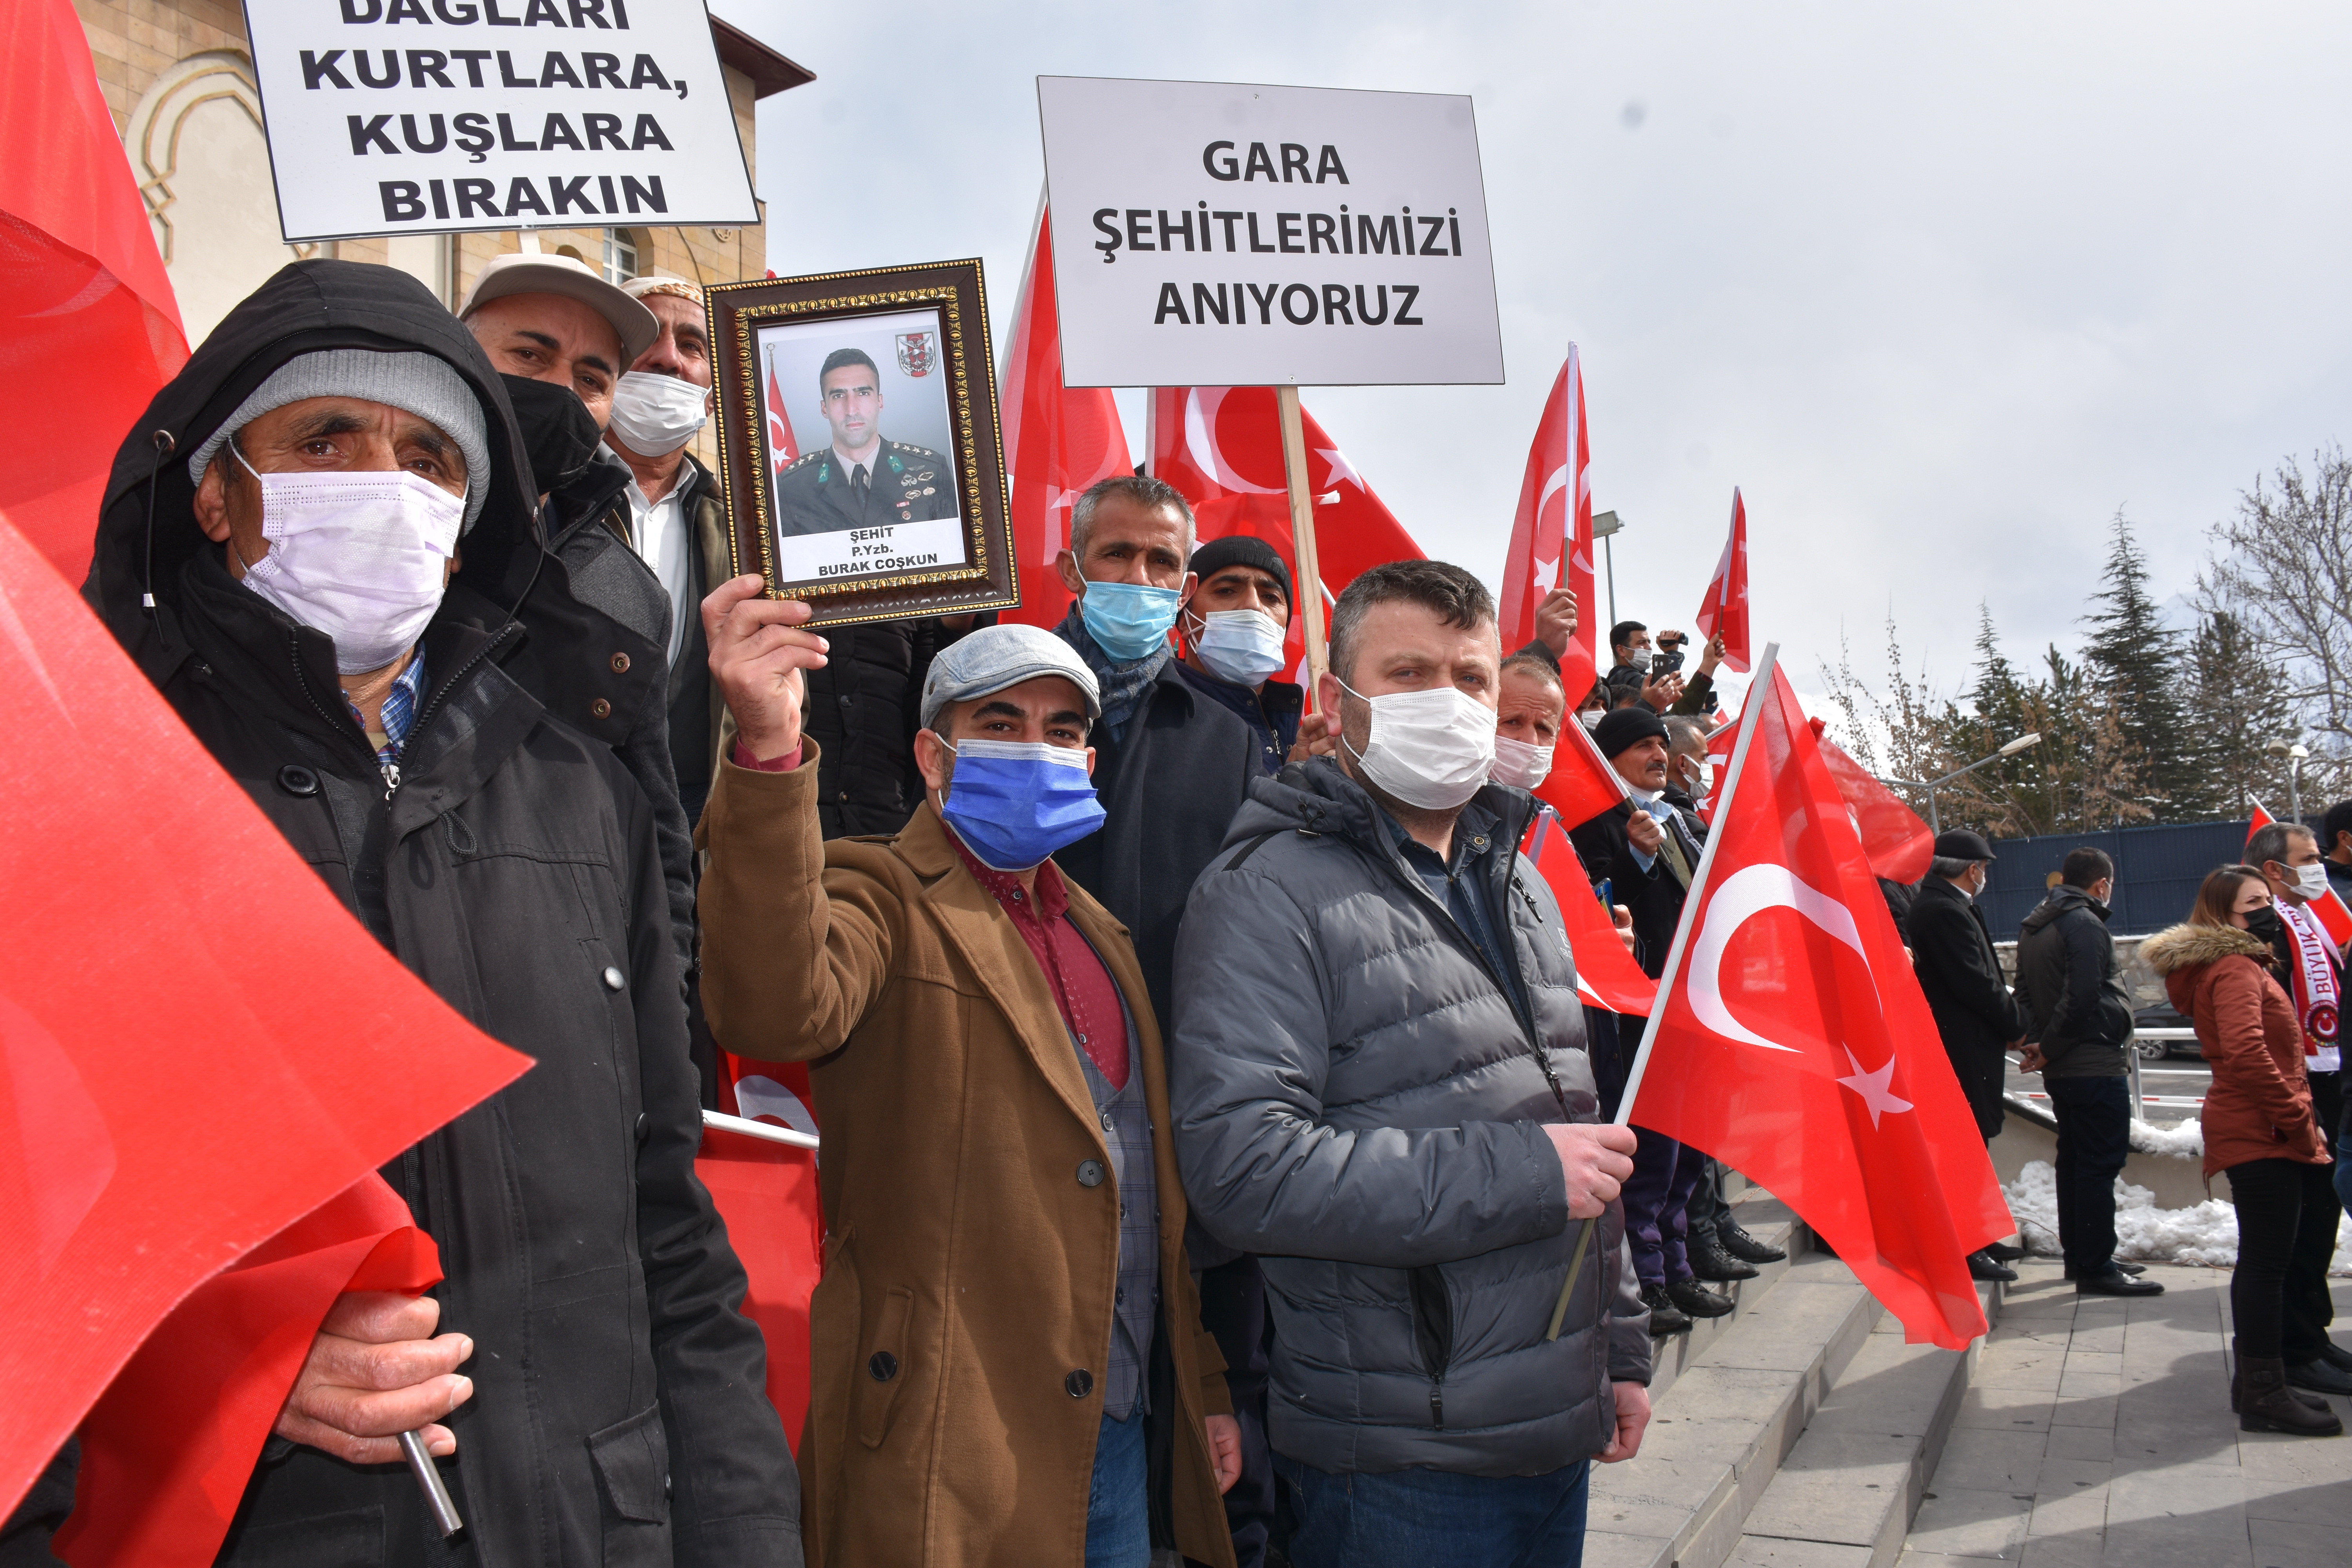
{"x":399,"y":709}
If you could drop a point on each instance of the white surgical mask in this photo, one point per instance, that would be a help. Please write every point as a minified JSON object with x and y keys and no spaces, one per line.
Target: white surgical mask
{"x":362,"y":557}
{"x":1590,"y":718}
{"x":1243,"y":647}
{"x":1522,"y":764}
{"x":2311,"y":881}
{"x":655,"y":414}
{"x":1429,"y":749}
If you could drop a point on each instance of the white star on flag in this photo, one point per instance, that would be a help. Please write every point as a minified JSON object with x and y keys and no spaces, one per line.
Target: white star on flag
{"x":1547,"y":575}
{"x":1872,"y":1087}
{"x":1340,"y":468}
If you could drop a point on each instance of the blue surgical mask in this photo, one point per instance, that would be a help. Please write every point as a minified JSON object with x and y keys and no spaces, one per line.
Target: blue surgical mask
{"x":1131,"y":620}
{"x":1013,"y":802}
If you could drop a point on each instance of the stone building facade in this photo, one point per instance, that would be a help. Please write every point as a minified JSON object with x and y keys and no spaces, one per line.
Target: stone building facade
{"x":180,"y":82}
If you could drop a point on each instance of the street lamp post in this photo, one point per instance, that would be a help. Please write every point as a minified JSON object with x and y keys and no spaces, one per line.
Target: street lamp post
{"x":2024,"y":742}
{"x":1605,"y":526}
{"x":2295,"y":756}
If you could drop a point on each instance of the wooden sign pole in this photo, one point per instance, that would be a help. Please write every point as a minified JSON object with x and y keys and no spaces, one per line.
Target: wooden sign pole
{"x":1309,"y":584}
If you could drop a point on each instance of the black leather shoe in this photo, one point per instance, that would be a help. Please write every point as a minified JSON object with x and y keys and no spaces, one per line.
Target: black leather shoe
{"x":1665,"y":1318}
{"x":1698,"y":1300}
{"x":1982,"y":1266}
{"x":1744,"y":1246}
{"x":2335,"y":1355}
{"x":2001,"y":1252}
{"x":2319,"y":1376}
{"x":2132,"y":1268}
{"x":1708,"y":1260}
{"x":2116,"y":1282}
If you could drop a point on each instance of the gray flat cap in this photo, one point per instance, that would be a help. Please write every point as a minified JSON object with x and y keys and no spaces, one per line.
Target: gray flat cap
{"x":994,"y":658}
{"x":636,"y":326}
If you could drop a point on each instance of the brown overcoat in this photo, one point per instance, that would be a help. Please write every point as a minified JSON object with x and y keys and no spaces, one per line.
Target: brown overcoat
{"x":959,"y":1238}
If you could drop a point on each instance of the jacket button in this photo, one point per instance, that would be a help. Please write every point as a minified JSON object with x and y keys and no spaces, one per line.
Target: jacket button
{"x":620,"y":663}
{"x":881,"y":1366}
{"x":1090,"y":1172}
{"x":613,"y":978}
{"x":600,"y":709}
{"x":1079,"y":1383}
{"x":295,"y":779}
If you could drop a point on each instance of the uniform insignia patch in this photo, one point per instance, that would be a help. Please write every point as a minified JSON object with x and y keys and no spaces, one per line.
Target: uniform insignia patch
{"x":919,"y":353}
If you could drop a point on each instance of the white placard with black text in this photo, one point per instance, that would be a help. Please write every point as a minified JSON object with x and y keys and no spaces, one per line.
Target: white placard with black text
{"x":431,"y":116}
{"x":1213,"y":235}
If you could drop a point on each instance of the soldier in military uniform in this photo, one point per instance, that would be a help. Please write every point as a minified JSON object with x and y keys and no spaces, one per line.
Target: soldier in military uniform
{"x":859,"y":480}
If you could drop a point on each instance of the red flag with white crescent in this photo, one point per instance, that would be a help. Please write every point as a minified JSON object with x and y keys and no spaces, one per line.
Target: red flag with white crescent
{"x":2328,"y":908}
{"x":782,"y":449}
{"x":1725,"y":611}
{"x":1222,"y":448}
{"x":1551,"y":534}
{"x":1793,"y":1043}
{"x":1058,"y":440}
{"x":767,"y":1193}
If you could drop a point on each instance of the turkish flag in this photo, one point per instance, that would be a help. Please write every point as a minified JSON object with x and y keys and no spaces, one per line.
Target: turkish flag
{"x":2329,"y":911}
{"x":93,"y":328}
{"x":168,"y":1448}
{"x":1059,"y":441}
{"x":1792,"y":1042}
{"x":1898,"y":843}
{"x":783,"y":449}
{"x":1724,"y":612}
{"x":1581,"y":785}
{"x":1222,"y":448}
{"x":198,"y":1046}
{"x":1551,"y":536}
{"x":1606,"y":975}
{"x":767,"y":1193}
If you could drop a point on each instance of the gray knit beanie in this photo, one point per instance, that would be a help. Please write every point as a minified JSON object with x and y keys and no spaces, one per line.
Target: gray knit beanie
{"x":423,"y":383}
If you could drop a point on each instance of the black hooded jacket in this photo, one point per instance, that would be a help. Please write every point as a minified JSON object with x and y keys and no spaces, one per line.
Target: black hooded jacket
{"x":618,"y":1413}
{"x":2071,"y":988}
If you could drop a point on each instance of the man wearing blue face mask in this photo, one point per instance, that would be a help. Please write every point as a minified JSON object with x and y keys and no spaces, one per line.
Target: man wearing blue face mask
{"x":1007,"y":1320}
{"x":1170,"y":765}
{"x":1232,"y":628}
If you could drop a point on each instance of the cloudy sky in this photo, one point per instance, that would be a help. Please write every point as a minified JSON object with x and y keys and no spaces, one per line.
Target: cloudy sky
{"x":1939,"y":287}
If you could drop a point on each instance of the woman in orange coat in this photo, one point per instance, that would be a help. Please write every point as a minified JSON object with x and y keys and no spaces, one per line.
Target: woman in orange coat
{"x":2258,"y":1124}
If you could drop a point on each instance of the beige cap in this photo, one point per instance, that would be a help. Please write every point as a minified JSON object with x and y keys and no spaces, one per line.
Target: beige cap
{"x":521,"y":274}
{"x":661,"y":283}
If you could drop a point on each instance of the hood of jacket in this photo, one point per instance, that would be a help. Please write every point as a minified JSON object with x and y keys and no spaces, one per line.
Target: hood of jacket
{"x":1315,"y":797}
{"x":308,"y":306}
{"x":2062,"y":899}
{"x":2183,"y":947}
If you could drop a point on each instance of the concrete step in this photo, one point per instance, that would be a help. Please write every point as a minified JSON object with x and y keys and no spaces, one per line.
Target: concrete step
{"x":1730,"y":1400}
{"x":1846,"y":1495}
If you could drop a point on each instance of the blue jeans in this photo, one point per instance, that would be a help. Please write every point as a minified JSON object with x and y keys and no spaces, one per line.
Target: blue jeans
{"x":1412,"y":1519}
{"x":1118,"y":1504}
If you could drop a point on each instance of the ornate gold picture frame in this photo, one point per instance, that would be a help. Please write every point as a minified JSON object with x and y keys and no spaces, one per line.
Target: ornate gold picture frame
{"x":859,"y":453}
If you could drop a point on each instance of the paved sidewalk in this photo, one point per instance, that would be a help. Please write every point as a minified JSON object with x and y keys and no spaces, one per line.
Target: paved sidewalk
{"x":2098,"y":1431}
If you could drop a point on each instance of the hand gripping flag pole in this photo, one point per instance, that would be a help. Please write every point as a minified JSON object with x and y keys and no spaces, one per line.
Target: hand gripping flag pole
{"x":1692,"y":900}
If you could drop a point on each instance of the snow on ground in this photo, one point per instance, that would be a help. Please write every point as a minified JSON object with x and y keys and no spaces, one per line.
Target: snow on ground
{"x":2207,"y":1234}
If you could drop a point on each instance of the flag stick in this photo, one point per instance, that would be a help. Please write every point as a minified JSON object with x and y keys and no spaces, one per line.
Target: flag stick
{"x":751,"y":1129}
{"x":438,"y":1501}
{"x":1309,"y":585}
{"x":1749,"y":714}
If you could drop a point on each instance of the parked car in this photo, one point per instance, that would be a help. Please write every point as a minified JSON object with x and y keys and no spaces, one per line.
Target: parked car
{"x":2163,"y":1017}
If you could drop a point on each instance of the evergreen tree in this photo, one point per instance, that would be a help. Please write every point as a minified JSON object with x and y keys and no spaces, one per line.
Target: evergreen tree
{"x":2239,"y":701}
{"x":2135,"y":662}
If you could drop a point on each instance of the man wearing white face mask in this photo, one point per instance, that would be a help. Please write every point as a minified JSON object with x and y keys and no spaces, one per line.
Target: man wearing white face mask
{"x":340,"y":586}
{"x":1381,"y":1088}
{"x":1232,"y":628}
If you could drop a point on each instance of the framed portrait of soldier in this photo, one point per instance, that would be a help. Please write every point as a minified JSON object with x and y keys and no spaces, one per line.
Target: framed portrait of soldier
{"x":859,"y":455}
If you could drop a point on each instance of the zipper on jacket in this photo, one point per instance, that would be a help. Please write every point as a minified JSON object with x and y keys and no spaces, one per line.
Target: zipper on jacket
{"x":1437,"y":1400}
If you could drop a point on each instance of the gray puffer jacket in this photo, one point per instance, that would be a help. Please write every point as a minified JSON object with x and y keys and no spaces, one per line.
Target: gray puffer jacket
{"x":1358,"y":1099}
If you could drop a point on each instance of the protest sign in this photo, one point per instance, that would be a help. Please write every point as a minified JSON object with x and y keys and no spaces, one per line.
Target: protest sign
{"x":1215,"y":234}
{"x":587,"y":113}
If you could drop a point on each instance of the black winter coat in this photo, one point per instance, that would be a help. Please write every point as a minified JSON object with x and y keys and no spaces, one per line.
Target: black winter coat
{"x":1654,"y":896}
{"x":863,"y":710}
{"x":1951,"y":951}
{"x":1169,"y":790}
{"x":618,"y":1413}
{"x":2071,"y":988}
